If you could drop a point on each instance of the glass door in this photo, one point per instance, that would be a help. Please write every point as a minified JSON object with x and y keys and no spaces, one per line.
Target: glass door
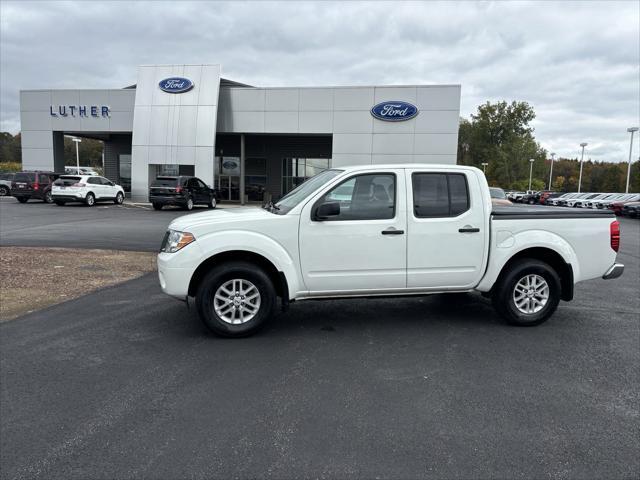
{"x":228,"y":173}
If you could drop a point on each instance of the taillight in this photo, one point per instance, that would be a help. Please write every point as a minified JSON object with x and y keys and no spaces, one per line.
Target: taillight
{"x":36,"y":185}
{"x":178,"y":189}
{"x":79,"y":184}
{"x":614,"y":230}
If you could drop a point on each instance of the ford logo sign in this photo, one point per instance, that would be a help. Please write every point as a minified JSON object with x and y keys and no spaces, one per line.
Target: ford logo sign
{"x":394,"y":111}
{"x":176,"y":85}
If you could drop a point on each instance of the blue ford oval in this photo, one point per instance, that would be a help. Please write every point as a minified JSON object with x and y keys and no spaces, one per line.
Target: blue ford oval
{"x":394,"y":111}
{"x":176,"y":85}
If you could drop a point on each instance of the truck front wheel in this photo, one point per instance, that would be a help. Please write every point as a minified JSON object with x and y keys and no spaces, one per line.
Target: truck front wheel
{"x":527,"y":293}
{"x":236,"y":299}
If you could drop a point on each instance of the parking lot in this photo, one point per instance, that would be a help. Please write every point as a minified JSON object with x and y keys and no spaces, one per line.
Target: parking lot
{"x":126,"y":382}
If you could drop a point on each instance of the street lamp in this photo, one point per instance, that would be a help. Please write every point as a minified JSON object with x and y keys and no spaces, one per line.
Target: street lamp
{"x":583,"y":144}
{"x":77,"y":140}
{"x":531,"y":160}
{"x":553,"y":157}
{"x":631,"y":130}
{"x":484,"y":167}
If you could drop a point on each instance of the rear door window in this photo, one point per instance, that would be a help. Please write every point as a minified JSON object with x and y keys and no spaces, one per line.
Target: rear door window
{"x":439,"y":194}
{"x":94,"y":181}
{"x":43,"y":178}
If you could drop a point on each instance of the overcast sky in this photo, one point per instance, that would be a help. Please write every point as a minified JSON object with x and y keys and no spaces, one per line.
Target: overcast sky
{"x":577,"y":63}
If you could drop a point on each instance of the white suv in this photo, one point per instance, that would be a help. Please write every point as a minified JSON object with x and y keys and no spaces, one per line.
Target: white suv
{"x":88,"y":189}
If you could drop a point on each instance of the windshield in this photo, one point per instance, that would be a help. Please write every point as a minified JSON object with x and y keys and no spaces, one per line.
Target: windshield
{"x":295,"y":196}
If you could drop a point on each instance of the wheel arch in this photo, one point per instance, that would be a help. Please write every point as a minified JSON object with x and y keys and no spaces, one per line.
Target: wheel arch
{"x":276,"y":276}
{"x":553,"y":259}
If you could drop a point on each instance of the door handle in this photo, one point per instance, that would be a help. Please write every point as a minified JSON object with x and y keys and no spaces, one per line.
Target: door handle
{"x":468,"y":229}
{"x":392,"y":231}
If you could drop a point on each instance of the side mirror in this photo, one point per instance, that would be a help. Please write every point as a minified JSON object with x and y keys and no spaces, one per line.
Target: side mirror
{"x":326,"y":210}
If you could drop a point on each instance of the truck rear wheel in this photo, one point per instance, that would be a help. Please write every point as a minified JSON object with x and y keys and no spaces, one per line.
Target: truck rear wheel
{"x":527,"y":293}
{"x":236,"y":299}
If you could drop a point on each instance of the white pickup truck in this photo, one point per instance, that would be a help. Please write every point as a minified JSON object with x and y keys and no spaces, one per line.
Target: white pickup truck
{"x":384,"y":230}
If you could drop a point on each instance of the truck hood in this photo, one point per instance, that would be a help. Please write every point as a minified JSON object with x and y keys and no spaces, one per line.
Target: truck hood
{"x":219,"y":216}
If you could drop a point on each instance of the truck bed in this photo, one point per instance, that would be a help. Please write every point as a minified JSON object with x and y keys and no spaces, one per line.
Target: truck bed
{"x":514,"y":212}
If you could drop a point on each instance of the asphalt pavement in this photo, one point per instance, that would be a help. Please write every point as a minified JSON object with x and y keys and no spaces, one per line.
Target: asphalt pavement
{"x":126,"y":383}
{"x":121,"y":227}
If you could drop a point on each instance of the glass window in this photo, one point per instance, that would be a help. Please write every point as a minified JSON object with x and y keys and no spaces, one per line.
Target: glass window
{"x":295,"y":196}
{"x":42,"y":178}
{"x":94,"y":181}
{"x":105,"y":181}
{"x":24,"y":177}
{"x":458,"y":194}
{"x":364,"y":197}
{"x":296,"y":170}
{"x":439,"y":194}
{"x":200,"y":183}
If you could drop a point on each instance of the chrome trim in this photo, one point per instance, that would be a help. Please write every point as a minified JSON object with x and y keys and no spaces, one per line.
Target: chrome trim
{"x":614,"y":271}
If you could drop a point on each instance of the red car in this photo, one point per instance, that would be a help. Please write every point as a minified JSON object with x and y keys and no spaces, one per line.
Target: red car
{"x":618,"y":206}
{"x":546,"y":194}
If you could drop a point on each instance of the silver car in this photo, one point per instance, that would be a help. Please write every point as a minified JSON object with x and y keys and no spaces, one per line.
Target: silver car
{"x":5,"y":184}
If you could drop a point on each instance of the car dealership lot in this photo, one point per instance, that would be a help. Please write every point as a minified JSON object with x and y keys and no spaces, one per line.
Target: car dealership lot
{"x":126,"y":382}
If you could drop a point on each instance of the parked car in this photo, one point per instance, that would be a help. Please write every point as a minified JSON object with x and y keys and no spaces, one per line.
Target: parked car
{"x":571,"y":201}
{"x":555,"y":201}
{"x":33,"y":185}
{"x":81,"y":171}
{"x":631,"y":209}
{"x":530,"y":197}
{"x":87,"y":189}
{"x":414,"y":229}
{"x":5,"y":184}
{"x":498,"y":197}
{"x":617,"y":206}
{"x":516,"y":197}
{"x":183,"y":191}
{"x":547,"y":195}
{"x":585,"y":202}
{"x":619,"y":197}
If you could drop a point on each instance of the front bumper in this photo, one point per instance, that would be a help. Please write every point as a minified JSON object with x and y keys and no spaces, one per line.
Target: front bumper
{"x":175,"y":270}
{"x":614,"y":271}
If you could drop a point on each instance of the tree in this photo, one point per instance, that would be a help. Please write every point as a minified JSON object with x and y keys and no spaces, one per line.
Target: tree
{"x":499,"y":134}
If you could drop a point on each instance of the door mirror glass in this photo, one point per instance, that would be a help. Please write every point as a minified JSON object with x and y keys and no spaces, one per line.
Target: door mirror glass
{"x":329,"y":209}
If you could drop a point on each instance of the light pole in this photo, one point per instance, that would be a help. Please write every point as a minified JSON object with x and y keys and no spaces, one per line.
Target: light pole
{"x":553,"y":157}
{"x":631,"y":130}
{"x":484,"y":167}
{"x":77,"y":140}
{"x":531,"y":160}
{"x":583,"y":144}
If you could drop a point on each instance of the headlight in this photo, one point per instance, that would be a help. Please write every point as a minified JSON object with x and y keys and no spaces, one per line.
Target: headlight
{"x":175,"y":240}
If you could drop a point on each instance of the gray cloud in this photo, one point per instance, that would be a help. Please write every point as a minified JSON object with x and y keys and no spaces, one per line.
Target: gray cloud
{"x":576,"y":63}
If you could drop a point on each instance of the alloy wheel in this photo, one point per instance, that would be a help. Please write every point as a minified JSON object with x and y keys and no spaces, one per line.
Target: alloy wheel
{"x":531,"y":294}
{"x":237,"y":301}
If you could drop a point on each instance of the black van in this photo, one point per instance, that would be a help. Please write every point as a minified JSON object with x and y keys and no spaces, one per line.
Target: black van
{"x":182,"y":191}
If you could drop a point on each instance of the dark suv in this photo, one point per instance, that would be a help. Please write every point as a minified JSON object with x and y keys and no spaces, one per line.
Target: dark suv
{"x":26,"y":185}
{"x":182,"y":191}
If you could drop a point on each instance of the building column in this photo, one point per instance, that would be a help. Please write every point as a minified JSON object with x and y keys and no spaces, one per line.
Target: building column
{"x":242,"y":169}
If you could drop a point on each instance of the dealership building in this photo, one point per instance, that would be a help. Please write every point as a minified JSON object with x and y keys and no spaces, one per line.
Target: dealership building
{"x":246,"y":141}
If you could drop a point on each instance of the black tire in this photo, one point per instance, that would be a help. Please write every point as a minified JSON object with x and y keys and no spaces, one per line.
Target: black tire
{"x":212,"y":202}
{"x":60,"y":203}
{"x":503,"y":292}
{"x":48,"y":197}
{"x":217,"y":277}
{"x":157,"y":206}
{"x":4,"y":190}
{"x":189,"y":205}
{"x":90,"y":200}
{"x":22,"y":199}
{"x":119,"y":199}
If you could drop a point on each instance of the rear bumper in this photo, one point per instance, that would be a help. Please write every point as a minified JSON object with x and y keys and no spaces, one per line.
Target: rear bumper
{"x":68,"y":198}
{"x":614,"y":271}
{"x":164,"y":200}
